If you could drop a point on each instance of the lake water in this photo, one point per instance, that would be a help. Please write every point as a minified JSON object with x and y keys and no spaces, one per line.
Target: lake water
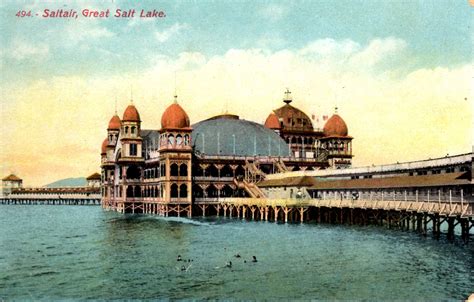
{"x":80,"y":252}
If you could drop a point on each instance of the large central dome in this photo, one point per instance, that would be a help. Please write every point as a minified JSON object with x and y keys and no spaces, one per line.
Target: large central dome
{"x":223,"y":135}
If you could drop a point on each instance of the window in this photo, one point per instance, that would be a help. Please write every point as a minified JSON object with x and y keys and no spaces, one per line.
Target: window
{"x":126,"y":130}
{"x":133,"y":130}
{"x":133,"y":149}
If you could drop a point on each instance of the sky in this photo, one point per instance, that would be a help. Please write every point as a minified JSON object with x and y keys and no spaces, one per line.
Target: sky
{"x":400,"y":73}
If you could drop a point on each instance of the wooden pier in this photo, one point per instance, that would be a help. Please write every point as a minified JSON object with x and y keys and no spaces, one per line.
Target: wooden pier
{"x":48,"y":200}
{"x":420,"y":216}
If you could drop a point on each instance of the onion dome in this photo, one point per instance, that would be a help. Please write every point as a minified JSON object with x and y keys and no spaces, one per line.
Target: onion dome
{"x":335,"y":126}
{"x":104,"y":146}
{"x":131,"y":114}
{"x":114,"y":123}
{"x":272,"y":121}
{"x":174,"y":117}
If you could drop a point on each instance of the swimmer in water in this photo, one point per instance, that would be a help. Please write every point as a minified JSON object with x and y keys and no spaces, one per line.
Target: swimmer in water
{"x":183,"y":268}
{"x":228,"y":264}
{"x":237,"y":255}
{"x":179,"y":258}
{"x":254,"y":259}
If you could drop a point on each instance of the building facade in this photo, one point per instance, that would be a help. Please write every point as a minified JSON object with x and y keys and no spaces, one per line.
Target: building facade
{"x":183,"y":168}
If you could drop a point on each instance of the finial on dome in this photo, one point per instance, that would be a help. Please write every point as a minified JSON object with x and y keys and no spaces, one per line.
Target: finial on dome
{"x":115,"y":105}
{"x":175,"y":98}
{"x":335,"y":109}
{"x":131,"y":94}
{"x":287,"y":99}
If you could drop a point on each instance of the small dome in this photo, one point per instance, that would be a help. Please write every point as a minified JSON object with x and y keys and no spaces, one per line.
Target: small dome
{"x":272,"y":121}
{"x":174,"y":117}
{"x":104,"y":146}
{"x":335,"y":126}
{"x":114,"y":123}
{"x":131,"y":114}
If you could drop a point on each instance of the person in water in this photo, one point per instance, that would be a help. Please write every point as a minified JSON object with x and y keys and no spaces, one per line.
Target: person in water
{"x":179,"y":258}
{"x":228,"y":264}
{"x":237,"y":255}
{"x":254,"y":259}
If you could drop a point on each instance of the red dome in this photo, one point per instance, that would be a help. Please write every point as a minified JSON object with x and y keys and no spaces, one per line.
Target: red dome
{"x":174,"y":117}
{"x":272,"y":121}
{"x":335,"y":126}
{"x":115,"y":123}
{"x":104,"y":146}
{"x":131,"y":114}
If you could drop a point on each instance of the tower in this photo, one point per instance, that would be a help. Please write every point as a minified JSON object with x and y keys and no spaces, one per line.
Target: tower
{"x":130,"y":160}
{"x":175,"y":159}
{"x":336,"y":143}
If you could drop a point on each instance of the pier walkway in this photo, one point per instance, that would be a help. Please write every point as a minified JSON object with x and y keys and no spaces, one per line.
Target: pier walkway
{"x":392,"y":213}
{"x":41,"y":199}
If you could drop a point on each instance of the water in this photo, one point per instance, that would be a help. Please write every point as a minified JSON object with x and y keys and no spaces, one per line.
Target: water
{"x":79,"y":252}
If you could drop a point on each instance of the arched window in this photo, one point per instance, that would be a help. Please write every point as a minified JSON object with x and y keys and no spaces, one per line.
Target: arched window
{"x":183,"y":170}
{"x":133,"y":129}
{"x":179,"y":140}
{"x":174,"y":170}
{"x":186,"y":140}
{"x":174,"y":191}
{"x":126,"y":129}
{"x":171,"y":140}
{"x":183,"y":191}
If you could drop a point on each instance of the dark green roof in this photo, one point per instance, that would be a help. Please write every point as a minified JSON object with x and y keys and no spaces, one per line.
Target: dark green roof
{"x":215,"y":136}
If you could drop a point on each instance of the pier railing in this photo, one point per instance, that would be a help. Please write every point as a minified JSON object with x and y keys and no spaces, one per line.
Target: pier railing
{"x":462,"y":209}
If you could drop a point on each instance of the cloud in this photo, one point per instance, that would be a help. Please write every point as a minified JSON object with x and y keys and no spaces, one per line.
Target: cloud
{"x":164,"y":35}
{"x":422,"y":113}
{"x":20,"y":49}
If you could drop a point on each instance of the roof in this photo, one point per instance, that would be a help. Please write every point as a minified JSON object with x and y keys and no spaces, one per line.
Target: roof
{"x":114,"y":123}
{"x":272,"y":121}
{"x":434,"y":180}
{"x":299,"y":181}
{"x":174,"y":117}
{"x":225,"y":136}
{"x":93,"y":176}
{"x":335,"y":127}
{"x":131,"y":114}
{"x":12,"y":177}
{"x":293,"y":118}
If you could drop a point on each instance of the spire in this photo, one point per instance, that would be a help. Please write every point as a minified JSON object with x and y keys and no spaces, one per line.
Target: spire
{"x":175,"y":101}
{"x":131,"y":94}
{"x":115,"y":105}
{"x":335,"y":110}
{"x":287,"y":99}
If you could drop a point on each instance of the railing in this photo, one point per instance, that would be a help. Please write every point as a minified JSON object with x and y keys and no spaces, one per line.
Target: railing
{"x":427,"y":163}
{"x":51,"y":196}
{"x":445,"y":209}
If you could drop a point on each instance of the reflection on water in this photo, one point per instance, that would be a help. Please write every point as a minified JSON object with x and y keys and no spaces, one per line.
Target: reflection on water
{"x":53,"y":252}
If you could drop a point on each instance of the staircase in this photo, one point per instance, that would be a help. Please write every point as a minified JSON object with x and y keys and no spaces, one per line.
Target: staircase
{"x":322,"y":155}
{"x":254,"y":174}
{"x":250,"y":188}
{"x":280,"y":165}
